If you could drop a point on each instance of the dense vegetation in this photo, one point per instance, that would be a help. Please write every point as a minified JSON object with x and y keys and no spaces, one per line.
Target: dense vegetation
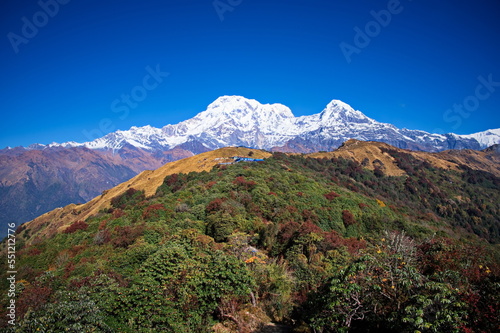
{"x":322,"y":245}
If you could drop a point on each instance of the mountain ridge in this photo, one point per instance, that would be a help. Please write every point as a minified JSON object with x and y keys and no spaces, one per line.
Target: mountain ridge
{"x":369,"y":155}
{"x":236,"y":120}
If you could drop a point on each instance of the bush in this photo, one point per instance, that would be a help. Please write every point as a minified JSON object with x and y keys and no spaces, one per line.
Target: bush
{"x":153,"y":211}
{"x":331,"y":195}
{"x":215,"y":205}
{"x":125,"y":236}
{"x":348,"y":218}
{"x":79,"y":225}
{"x":130,"y":197}
{"x":102,"y":237}
{"x":71,"y":312}
{"x":242,"y":183}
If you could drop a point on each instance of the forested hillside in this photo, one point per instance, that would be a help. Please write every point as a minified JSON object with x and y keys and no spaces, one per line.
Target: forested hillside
{"x":316,"y":244}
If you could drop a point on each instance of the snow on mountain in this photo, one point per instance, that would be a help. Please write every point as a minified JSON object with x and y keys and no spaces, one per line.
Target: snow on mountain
{"x":487,"y":138}
{"x":235,"y":120}
{"x":238,"y":121}
{"x":146,"y":137}
{"x":339,"y":113}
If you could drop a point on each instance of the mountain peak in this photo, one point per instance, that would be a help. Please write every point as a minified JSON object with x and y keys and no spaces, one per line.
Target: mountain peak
{"x":228,"y":101}
{"x":338,"y":104}
{"x":229,"y":104}
{"x":339,"y":112}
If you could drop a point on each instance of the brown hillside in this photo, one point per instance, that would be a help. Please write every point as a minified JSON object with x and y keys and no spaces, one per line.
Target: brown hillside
{"x":57,"y":220}
{"x":486,"y":160}
{"x":367,"y":153}
{"x":372,"y":154}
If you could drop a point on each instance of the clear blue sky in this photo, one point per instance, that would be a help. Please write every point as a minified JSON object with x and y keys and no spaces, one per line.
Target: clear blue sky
{"x":60,"y":81}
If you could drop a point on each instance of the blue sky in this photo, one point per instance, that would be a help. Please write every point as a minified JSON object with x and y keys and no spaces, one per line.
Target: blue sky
{"x":421,"y":64}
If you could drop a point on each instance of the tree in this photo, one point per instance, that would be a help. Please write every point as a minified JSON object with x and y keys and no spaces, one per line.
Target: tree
{"x":70,"y":312}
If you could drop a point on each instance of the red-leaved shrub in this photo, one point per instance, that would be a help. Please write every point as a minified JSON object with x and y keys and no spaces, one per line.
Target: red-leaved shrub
{"x":330,"y":196}
{"x":78,"y":225}
{"x":348,"y":218}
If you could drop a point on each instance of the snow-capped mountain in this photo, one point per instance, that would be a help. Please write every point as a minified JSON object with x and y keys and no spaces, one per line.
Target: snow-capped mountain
{"x":238,"y":121}
{"x":486,"y":138}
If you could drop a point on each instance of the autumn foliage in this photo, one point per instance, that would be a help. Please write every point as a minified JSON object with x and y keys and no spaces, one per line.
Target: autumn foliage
{"x":79,"y":225}
{"x":331,"y":195}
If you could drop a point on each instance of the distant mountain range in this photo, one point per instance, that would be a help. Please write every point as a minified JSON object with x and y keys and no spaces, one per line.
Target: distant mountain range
{"x":39,"y":178}
{"x":238,"y":121}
